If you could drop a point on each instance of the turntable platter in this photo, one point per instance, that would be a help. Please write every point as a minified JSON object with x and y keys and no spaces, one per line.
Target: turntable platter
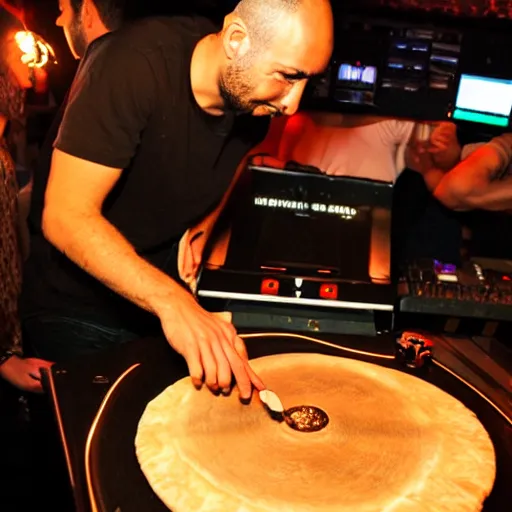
{"x":393,"y":442}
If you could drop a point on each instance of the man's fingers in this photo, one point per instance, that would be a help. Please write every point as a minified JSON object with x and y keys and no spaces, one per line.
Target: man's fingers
{"x":223,"y":368}
{"x":195,"y":367}
{"x":32,"y":385}
{"x":256,"y":381}
{"x":37,"y":388}
{"x":227,"y":329}
{"x":39,"y":363}
{"x":240,"y":372}
{"x":209,"y":363}
{"x":240,"y":348}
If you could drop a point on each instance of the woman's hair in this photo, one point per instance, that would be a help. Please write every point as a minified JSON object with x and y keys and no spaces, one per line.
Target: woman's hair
{"x":11,"y":94}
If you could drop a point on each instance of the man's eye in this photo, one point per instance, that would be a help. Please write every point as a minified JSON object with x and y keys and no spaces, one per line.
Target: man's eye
{"x":284,"y":77}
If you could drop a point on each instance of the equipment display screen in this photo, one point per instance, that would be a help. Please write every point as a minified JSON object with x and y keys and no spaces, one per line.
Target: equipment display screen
{"x":357,"y":76}
{"x":355,"y":83}
{"x":484,"y":100}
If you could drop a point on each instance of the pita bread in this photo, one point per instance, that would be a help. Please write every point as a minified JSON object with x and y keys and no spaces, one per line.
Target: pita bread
{"x":394,"y":443}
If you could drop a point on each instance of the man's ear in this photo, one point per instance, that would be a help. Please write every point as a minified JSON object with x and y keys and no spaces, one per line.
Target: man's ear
{"x":235,"y":39}
{"x":88,"y":13}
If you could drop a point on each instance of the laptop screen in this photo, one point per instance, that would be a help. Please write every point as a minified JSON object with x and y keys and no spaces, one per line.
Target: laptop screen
{"x":484,"y":100}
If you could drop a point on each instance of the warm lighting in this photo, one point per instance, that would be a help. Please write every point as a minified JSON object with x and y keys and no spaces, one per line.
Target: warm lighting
{"x":36,"y":51}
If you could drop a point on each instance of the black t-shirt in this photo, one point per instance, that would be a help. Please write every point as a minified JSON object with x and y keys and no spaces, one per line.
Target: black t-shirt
{"x":131,"y":107}
{"x":40,"y":178}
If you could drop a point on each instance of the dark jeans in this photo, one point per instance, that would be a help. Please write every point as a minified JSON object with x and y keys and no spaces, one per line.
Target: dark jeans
{"x":59,"y":326}
{"x":60,"y":338}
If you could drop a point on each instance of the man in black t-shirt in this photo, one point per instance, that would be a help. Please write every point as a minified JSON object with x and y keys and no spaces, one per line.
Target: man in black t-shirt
{"x":86,"y":24}
{"x":158,"y":119}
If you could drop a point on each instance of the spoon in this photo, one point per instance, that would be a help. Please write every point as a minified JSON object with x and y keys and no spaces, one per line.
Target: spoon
{"x":304,"y":418}
{"x":273,"y":404}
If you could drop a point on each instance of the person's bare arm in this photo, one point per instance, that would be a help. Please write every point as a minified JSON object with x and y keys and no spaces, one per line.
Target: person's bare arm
{"x":73,"y":222}
{"x":472,"y":184}
{"x":423,"y":163}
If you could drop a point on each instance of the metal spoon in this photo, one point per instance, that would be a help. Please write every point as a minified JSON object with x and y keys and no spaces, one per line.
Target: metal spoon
{"x":304,"y":418}
{"x":272,"y":403}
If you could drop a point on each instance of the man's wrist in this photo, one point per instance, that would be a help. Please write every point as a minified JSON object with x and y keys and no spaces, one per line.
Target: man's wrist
{"x":163,"y":303}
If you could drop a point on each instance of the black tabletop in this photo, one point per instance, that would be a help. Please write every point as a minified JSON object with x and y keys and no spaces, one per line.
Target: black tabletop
{"x":146,"y":368}
{"x":78,"y":388}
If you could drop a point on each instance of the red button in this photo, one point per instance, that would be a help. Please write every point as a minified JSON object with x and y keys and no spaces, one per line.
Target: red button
{"x":329,"y":291}
{"x":270,"y":287}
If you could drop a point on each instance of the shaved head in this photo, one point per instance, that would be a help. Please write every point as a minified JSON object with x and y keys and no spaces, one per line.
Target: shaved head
{"x":273,"y":47}
{"x":262,"y":17}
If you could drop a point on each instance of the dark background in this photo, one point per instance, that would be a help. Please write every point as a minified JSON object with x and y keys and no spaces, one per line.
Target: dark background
{"x":482,"y":14}
{"x":40,"y":16}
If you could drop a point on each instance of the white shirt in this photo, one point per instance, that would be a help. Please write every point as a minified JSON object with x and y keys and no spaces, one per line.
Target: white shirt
{"x":373,"y":151}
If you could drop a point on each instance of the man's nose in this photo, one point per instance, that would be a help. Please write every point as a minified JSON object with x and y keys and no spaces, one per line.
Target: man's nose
{"x":292,"y":100}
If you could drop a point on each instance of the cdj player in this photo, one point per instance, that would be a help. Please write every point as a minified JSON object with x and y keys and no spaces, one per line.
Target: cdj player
{"x":304,"y":238}
{"x":304,"y":243}
{"x":481,"y":288}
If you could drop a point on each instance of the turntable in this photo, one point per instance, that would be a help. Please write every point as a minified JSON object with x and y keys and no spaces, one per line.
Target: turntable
{"x":101,"y":404}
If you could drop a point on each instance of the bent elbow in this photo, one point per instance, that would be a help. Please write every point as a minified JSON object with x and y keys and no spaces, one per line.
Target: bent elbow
{"x":55,"y":224}
{"x":456,"y":196}
{"x":48,"y":223}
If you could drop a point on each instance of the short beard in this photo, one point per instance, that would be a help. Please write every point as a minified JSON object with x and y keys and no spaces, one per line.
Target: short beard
{"x":77,"y":35}
{"x":236,"y":87}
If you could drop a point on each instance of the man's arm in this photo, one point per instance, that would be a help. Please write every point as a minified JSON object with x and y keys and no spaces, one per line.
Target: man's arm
{"x":113,"y":97}
{"x":472,"y":183}
{"x":73,"y":222}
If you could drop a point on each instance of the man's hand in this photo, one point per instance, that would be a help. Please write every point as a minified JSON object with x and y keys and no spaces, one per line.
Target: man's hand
{"x":211,"y":347}
{"x":444,"y":146}
{"x":443,"y":137}
{"x":25,"y":374}
{"x":423,"y":163}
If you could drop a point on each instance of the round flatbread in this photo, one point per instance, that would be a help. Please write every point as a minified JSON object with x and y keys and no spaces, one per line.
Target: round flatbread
{"x":393,"y":443}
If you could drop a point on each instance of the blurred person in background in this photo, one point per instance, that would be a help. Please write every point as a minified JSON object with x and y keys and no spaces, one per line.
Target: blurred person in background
{"x":362,"y":146}
{"x":482,"y":179}
{"x":18,"y":374}
{"x":86,"y":25}
{"x":15,"y":78}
